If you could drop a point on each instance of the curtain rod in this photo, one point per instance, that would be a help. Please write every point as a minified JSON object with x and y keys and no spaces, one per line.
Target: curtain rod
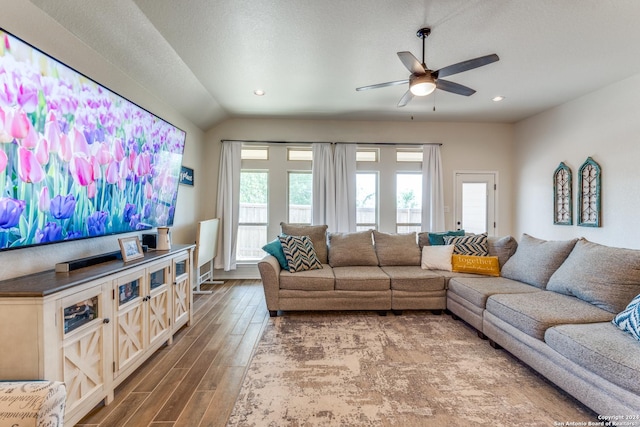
{"x":327,"y":142}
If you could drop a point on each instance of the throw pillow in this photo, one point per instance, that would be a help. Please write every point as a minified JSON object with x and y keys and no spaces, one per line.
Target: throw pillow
{"x":469,"y":245}
{"x":604,"y":276}
{"x":502,"y":247}
{"x":536,"y":260}
{"x":274,"y":248}
{"x":347,"y":249}
{"x":438,"y":238}
{"x":317,"y":233}
{"x":299,"y":252}
{"x":437,"y":257}
{"x":396,"y":249}
{"x":423,"y":239}
{"x":628,"y":320}
{"x":487,"y":265}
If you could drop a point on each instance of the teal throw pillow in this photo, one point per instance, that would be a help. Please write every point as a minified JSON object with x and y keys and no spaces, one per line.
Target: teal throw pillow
{"x":436,"y":239}
{"x":274,"y":248}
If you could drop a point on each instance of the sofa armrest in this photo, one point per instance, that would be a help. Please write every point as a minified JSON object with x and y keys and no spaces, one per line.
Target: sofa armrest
{"x":270,"y":274}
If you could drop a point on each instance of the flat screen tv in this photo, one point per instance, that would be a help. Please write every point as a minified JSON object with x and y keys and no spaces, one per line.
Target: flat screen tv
{"x":76,"y":159}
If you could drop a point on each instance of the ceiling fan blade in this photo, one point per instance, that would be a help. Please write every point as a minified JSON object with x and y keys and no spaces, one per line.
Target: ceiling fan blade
{"x":408,"y":96}
{"x":466,"y":65}
{"x":376,"y":86}
{"x":452,"y":87}
{"x":412,"y":63}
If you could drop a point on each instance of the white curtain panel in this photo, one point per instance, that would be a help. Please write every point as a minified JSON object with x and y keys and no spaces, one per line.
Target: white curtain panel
{"x":324,"y":185}
{"x":345,"y":164}
{"x":432,"y":190}
{"x":228,"y":209}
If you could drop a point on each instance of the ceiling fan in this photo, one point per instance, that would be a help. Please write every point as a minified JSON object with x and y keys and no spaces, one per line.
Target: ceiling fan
{"x":424,"y":81}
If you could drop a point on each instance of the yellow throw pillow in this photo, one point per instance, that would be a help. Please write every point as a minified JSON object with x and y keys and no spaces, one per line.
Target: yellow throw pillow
{"x":487,"y":265}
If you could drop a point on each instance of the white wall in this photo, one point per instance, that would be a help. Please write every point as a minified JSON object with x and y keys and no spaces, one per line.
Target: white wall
{"x":604,"y":125}
{"x":29,"y":23}
{"x":465,"y":146}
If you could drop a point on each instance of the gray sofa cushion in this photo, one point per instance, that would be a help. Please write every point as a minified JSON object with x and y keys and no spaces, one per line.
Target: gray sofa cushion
{"x":502,"y":247}
{"x":534,"y":313}
{"x":361,"y":278}
{"x":310,"y":280}
{"x":604,"y":276}
{"x":476,"y":290}
{"x":601,"y":348}
{"x":317,"y":233}
{"x":396,"y":249}
{"x":351,"y":249}
{"x":413,"y":278}
{"x":536,"y":260}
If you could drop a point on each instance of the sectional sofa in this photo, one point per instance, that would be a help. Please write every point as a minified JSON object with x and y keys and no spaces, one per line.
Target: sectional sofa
{"x":552,"y":305}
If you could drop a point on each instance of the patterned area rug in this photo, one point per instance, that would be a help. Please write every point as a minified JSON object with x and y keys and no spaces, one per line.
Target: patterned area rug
{"x":418,"y":369}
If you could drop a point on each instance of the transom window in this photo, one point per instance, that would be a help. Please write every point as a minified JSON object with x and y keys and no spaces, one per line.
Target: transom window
{"x":254,"y":153}
{"x":408,"y":155}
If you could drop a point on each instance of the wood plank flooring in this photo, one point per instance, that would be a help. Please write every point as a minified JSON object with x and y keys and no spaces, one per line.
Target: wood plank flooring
{"x":194,"y":381}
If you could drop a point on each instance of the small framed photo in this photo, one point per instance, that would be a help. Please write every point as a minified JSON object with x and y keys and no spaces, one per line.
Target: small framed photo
{"x":130,"y":248}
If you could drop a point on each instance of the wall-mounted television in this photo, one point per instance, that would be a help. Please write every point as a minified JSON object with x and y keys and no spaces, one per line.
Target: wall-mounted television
{"x":76,"y":159}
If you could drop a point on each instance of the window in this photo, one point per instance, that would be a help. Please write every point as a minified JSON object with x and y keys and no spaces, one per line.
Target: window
{"x":408,"y":155}
{"x":474,"y":207}
{"x":254,"y":153}
{"x":299,"y":197}
{"x":299,"y":154}
{"x":253,"y":216}
{"x":408,"y":202}
{"x":286,"y":171}
{"x":367,"y":155}
{"x":366,"y":201}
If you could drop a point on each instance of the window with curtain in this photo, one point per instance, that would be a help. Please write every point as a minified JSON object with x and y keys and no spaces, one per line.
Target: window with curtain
{"x":276,"y":185}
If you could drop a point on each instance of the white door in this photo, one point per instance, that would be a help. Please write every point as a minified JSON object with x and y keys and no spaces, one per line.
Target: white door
{"x":475,"y":201}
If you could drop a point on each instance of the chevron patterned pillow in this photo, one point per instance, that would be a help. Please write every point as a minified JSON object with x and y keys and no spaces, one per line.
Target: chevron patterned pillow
{"x":299,"y":252}
{"x":475,"y":245}
{"x":629,"y":319}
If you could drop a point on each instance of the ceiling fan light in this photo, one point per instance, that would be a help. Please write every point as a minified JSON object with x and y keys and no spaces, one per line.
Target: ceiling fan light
{"x":422,"y":85}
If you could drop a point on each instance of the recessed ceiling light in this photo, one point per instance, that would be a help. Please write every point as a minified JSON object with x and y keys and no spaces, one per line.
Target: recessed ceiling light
{"x":497,"y":98}
{"x":258,"y":92}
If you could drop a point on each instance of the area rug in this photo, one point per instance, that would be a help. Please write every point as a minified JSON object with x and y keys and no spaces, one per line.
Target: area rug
{"x":417,"y":369}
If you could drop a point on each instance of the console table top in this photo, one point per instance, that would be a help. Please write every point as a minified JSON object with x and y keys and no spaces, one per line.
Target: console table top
{"x":50,"y":282}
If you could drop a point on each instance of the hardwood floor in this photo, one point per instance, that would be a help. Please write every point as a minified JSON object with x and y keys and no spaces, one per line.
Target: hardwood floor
{"x":194,"y":381}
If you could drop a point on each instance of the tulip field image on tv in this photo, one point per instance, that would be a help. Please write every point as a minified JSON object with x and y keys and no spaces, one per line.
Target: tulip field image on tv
{"x":77,"y":160}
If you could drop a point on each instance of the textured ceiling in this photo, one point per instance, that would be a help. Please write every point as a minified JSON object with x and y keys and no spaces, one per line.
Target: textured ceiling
{"x":206,"y":57}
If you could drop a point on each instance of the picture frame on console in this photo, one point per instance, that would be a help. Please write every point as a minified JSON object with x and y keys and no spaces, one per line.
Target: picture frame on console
{"x":130,"y":248}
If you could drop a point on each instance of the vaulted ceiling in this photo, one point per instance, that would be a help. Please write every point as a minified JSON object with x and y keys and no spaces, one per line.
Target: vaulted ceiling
{"x":206,"y":57}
